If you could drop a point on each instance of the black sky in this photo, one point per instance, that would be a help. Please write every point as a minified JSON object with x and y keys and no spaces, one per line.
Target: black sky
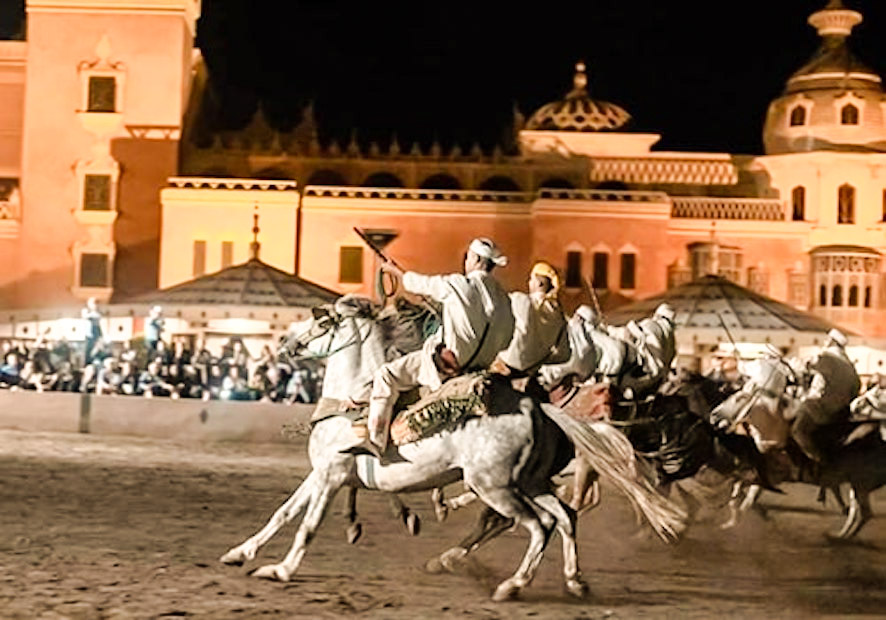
{"x":701,"y":72}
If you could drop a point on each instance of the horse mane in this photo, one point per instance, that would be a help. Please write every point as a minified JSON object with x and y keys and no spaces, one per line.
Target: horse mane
{"x":406,"y":325}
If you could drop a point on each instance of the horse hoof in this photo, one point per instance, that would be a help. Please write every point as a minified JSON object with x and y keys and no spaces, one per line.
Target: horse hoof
{"x":434,"y":566}
{"x":441,"y":510}
{"x":354,"y":532}
{"x":452,"y":558}
{"x":413,"y":524}
{"x":232,"y":558}
{"x":505,"y":592}
{"x":274,"y":572}
{"x":577,"y":588}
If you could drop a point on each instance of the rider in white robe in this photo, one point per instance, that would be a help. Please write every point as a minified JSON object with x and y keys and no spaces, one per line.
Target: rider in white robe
{"x":833,"y":385}
{"x":540,"y":335}
{"x":656,"y":345}
{"x":583,"y":362}
{"x":477,"y":323}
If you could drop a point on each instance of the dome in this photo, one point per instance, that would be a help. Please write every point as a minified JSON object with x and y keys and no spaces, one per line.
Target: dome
{"x":578,"y":112}
{"x":834,"y":102}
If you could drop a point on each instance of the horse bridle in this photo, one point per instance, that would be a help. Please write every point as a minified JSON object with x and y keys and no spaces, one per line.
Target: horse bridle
{"x":335,"y":320}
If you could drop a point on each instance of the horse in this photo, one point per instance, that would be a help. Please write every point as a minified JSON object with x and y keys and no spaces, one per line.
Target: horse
{"x":506,"y":457}
{"x":765,"y":406}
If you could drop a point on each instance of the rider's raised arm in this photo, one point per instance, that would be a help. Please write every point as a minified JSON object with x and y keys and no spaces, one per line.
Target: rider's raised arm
{"x":437,"y":287}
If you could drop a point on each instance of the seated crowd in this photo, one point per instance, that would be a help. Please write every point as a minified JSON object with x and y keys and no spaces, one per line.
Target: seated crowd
{"x":160,"y":371}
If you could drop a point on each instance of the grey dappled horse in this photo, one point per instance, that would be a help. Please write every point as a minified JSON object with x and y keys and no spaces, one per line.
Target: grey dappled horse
{"x":507,"y":458}
{"x":765,"y":407}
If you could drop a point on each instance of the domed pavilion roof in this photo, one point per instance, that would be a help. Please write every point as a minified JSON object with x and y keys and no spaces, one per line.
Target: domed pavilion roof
{"x":577,"y":111}
{"x":834,"y":64}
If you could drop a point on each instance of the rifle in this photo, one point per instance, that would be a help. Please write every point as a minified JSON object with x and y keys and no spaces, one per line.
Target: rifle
{"x":384,"y":294}
{"x":729,"y":335}
{"x":589,"y":289}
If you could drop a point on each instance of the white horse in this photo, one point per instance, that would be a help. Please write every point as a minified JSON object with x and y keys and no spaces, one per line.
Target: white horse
{"x":507,"y":458}
{"x":764,"y":408}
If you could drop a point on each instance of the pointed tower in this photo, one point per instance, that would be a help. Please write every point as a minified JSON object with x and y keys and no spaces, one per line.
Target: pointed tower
{"x":107,"y":86}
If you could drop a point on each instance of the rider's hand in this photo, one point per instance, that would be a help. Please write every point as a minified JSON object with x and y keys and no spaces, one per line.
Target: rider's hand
{"x":391,"y":268}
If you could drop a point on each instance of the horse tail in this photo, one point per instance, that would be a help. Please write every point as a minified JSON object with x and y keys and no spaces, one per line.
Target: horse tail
{"x":610,"y":453}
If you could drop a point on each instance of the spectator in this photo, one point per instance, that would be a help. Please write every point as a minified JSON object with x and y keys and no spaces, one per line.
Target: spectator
{"x":92,"y":317}
{"x":151,"y":383}
{"x":11,"y":368}
{"x":129,"y":379}
{"x":154,"y":329}
{"x":109,"y":377}
{"x":234,"y":386}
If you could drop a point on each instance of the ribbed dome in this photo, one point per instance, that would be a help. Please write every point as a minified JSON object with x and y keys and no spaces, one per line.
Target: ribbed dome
{"x":834,"y":102}
{"x":578,"y":112}
{"x":834,"y":65}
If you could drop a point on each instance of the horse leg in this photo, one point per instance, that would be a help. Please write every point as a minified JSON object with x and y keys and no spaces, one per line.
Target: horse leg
{"x":283,"y":515}
{"x":859,"y":513}
{"x":355,"y":528}
{"x":566,"y":526}
{"x":320,"y":499}
{"x":489,"y":525}
{"x":401,"y":511}
{"x":585,"y":486}
{"x":442,"y":505}
{"x":838,"y":497}
{"x":734,"y":505}
{"x":507,"y":503}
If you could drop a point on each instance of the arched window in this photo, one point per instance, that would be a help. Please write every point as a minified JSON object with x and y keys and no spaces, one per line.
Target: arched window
{"x":837,"y":296}
{"x":798,"y":116}
{"x":440,"y":181}
{"x":849,"y":115}
{"x":499,"y":183}
{"x":853,"y":296}
{"x":846,"y":204}
{"x":822,"y":295}
{"x":382,"y":179}
{"x":601,"y":270}
{"x":573,"y":269}
{"x":556,"y":183}
{"x":867,"y":297}
{"x":616,"y":185}
{"x":326,"y":177}
{"x":276,"y":174}
{"x":798,"y":202}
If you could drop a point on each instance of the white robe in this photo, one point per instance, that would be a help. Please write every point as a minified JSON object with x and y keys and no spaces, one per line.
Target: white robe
{"x":583,"y":359}
{"x":539,"y":333}
{"x":470,"y":304}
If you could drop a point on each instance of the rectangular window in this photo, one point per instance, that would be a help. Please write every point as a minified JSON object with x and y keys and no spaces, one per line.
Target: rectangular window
{"x":94,"y":270}
{"x":227,"y":257}
{"x":102,"y":94}
{"x":97,"y":192}
{"x":628,"y":271}
{"x":573,"y":270}
{"x":601,"y":270}
{"x":350,"y":264}
{"x":199,"y":258}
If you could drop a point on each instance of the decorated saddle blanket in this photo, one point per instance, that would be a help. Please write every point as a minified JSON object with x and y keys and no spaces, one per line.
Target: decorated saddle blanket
{"x":466,"y":396}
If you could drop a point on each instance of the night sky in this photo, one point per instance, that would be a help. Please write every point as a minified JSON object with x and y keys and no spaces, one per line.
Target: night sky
{"x":700,"y":72}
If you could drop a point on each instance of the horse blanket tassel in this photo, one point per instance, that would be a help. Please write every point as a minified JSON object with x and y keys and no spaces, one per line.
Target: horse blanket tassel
{"x":610,"y":453}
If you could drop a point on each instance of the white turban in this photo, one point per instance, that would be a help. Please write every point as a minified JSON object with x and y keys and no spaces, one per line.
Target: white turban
{"x":486,"y":248}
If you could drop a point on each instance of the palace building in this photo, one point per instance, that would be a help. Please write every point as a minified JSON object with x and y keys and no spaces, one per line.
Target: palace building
{"x":113,"y":185}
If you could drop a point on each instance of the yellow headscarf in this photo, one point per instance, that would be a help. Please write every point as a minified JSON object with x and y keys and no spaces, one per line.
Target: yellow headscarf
{"x":542,"y":268}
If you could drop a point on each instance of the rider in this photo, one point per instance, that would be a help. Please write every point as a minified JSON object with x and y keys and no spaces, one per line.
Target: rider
{"x":477,"y":323}
{"x":540,"y":335}
{"x":656,"y":346}
{"x":833,"y":384}
{"x":583,"y":361}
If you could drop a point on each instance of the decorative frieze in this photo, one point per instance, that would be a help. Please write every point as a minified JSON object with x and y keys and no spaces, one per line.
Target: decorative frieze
{"x":727,"y":208}
{"x":663,"y":170}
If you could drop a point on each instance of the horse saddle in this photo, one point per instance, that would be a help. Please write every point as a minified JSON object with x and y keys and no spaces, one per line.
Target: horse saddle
{"x":470,"y":395}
